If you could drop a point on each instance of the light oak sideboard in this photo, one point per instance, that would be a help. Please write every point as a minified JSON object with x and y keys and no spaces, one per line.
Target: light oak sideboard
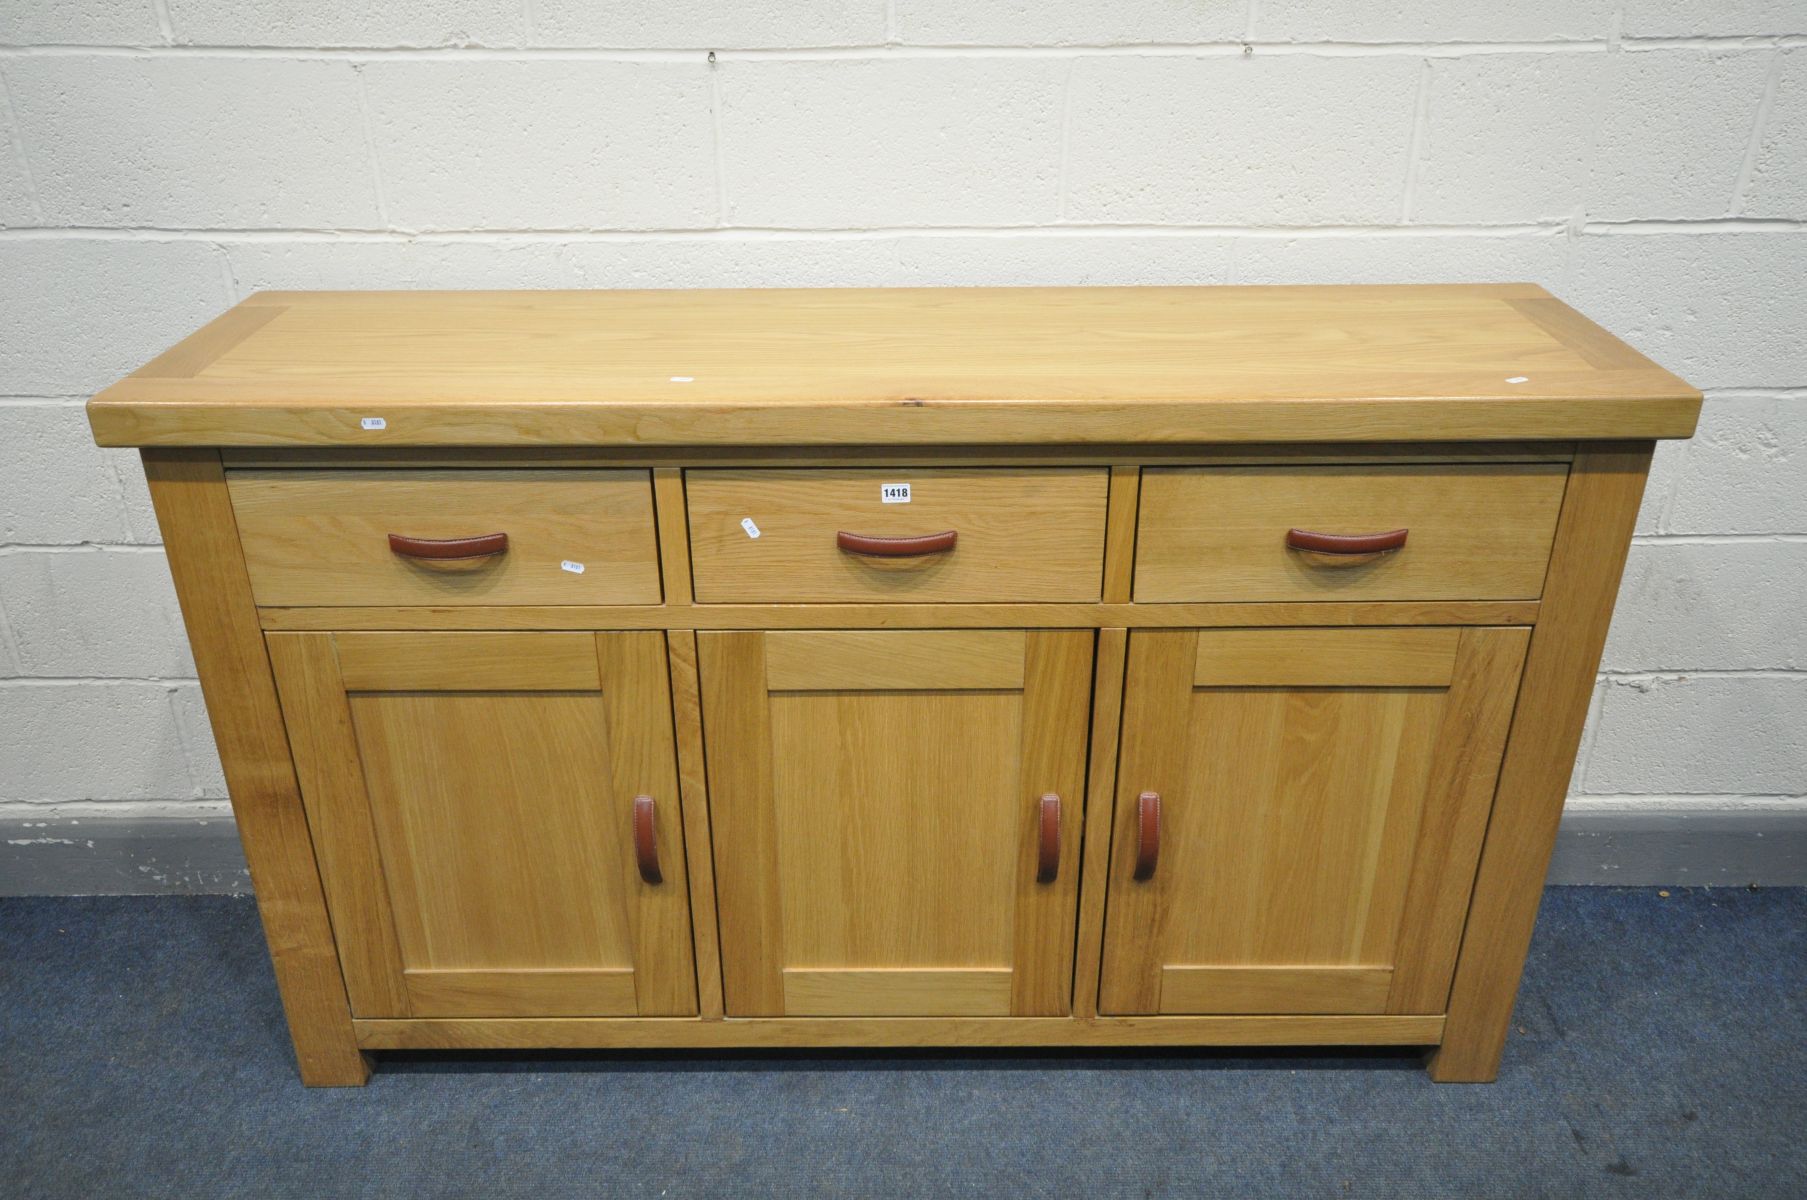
{"x":967,"y":667}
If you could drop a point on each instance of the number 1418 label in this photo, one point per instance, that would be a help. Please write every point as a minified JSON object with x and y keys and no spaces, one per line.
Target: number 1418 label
{"x":894,"y":493}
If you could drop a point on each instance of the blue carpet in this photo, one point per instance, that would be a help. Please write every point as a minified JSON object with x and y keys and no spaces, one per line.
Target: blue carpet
{"x":1658,"y":1051}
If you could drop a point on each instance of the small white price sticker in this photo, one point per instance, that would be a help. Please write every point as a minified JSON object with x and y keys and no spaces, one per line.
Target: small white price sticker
{"x":894,"y":493}
{"x":576,"y":568}
{"x":374,"y":423}
{"x":746,"y":523}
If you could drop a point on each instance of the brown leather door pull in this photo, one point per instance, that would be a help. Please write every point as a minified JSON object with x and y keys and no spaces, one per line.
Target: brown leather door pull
{"x":1343,"y":549}
{"x":481,"y":546}
{"x":646,"y":839}
{"x":1148,"y":834}
{"x":896,"y":547}
{"x":1047,"y":863}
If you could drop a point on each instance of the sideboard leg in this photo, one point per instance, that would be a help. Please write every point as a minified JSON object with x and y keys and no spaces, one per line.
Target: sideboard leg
{"x":188,"y":489}
{"x":1599,"y":511}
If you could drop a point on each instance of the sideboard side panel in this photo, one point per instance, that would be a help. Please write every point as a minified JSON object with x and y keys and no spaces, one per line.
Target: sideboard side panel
{"x":188,"y":490}
{"x":1593,"y":535}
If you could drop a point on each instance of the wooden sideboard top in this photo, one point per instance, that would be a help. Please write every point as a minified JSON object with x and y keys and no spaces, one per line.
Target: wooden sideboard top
{"x":917,"y":366}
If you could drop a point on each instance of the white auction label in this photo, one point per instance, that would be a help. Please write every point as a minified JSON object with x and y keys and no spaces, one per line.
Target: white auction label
{"x":374,"y":423}
{"x":576,"y":568}
{"x":746,"y":523}
{"x":894,"y":493}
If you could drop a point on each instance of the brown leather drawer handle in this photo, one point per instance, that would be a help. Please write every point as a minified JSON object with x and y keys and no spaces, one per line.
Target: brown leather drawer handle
{"x":1148,"y":834}
{"x":1047,"y":863}
{"x":481,"y":546}
{"x":896,"y":547}
{"x":646,"y":839}
{"x":1345,"y":543}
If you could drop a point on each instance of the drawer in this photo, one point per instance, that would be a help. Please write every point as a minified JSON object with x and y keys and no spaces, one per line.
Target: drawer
{"x":324,"y":537}
{"x":1471,"y":532}
{"x":1017,"y":534}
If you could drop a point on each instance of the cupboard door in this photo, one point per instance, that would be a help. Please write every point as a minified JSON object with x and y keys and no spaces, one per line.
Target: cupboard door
{"x":896,"y":818}
{"x":475,"y":803}
{"x":1299,"y":813}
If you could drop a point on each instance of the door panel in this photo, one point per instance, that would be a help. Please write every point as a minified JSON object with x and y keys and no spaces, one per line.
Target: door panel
{"x":876,"y":801}
{"x":471,"y":798}
{"x":1322,"y":798}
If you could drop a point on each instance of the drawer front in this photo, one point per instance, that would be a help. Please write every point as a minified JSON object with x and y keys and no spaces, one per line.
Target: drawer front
{"x":1471,"y":532}
{"x":1019,"y":534}
{"x":323,"y":537}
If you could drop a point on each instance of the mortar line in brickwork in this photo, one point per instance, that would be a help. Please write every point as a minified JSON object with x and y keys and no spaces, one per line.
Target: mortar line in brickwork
{"x":1717,"y":539}
{"x":1695,"y":801}
{"x":194,"y":758}
{"x":1414,"y":150}
{"x":228,"y":275}
{"x":767,"y":233}
{"x":1454,"y":48}
{"x":9,"y":548}
{"x":1676,"y":674}
{"x":201,"y":810}
{"x":1759,"y":126}
{"x":717,"y":146}
{"x":1729,"y":41}
{"x":165,"y":26}
{"x":1654,"y":225}
{"x":21,"y":682}
{"x":32,"y":809}
{"x":368,"y":125}
{"x":1066,"y":143}
{"x":1590,"y":730}
{"x":694,"y":54}
{"x":1667,"y":485}
{"x":11,"y":660}
{"x":1644,"y":225}
{"x":16,"y":142}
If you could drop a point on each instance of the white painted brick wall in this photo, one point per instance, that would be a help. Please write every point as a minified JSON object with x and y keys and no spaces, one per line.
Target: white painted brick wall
{"x":193,"y":143}
{"x":1681,"y":18}
{"x":1678,"y":614}
{"x":72,"y":740}
{"x":1745,"y":470}
{"x":1645,"y":159}
{"x":57,"y":488}
{"x":346,"y":23}
{"x":93,"y":612}
{"x":1675,"y":132}
{"x":1225,"y":140}
{"x":16,"y":204}
{"x":78,"y":312}
{"x":951,"y":141}
{"x":1501,"y":142}
{"x":1457,"y":21}
{"x":606,"y":145}
{"x":1068,"y":22}
{"x":82,"y":22}
{"x":703,"y":24}
{"x":1779,"y":173}
{"x":1701,"y":735}
{"x":1723,"y":306}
